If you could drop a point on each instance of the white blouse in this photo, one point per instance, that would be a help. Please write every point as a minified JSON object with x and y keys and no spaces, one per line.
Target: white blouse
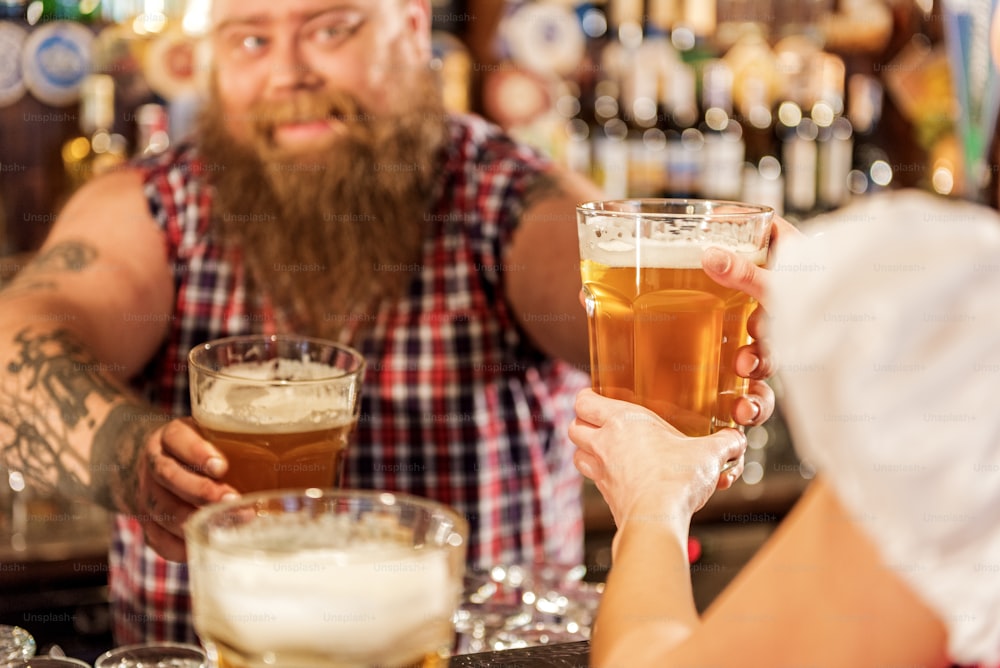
{"x":887,"y":332}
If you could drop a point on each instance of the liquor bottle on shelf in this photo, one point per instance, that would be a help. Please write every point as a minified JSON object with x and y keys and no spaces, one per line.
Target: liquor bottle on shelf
{"x":613,"y":97}
{"x":684,"y":142}
{"x":98,"y":149}
{"x":795,"y":128}
{"x":835,"y":140}
{"x":799,"y":157}
{"x":871,"y":170}
{"x":640,"y":93}
{"x":610,"y":148}
{"x":763,"y":180}
{"x":724,"y":150}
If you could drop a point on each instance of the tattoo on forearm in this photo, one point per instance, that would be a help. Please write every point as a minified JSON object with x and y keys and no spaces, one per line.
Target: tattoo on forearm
{"x":117,"y":446}
{"x":49,"y":395}
{"x":64,"y":257}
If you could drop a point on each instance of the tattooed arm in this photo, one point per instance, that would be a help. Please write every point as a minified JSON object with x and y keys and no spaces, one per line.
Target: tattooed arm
{"x":543,"y":265}
{"x":83,"y":317}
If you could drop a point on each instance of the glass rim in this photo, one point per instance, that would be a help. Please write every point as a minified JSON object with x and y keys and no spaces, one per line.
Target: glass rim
{"x":346,"y":374}
{"x":196,"y":523}
{"x":166,"y":644}
{"x":745,"y":208}
{"x":42,"y":659}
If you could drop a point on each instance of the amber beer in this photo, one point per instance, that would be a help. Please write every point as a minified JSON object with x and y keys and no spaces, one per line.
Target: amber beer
{"x":280,"y":409}
{"x":662,"y":333}
{"x":273,"y":460}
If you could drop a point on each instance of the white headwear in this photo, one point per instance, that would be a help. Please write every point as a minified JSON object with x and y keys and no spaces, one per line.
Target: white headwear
{"x":887,"y":332}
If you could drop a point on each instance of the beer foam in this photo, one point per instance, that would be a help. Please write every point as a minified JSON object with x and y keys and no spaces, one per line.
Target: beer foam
{"x":275,"y":407}
{"x":613,"y":244}
{"x":372,"y":599}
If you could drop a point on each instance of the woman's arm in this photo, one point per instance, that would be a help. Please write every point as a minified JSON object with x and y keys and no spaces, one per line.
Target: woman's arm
{"x":817,"y":594}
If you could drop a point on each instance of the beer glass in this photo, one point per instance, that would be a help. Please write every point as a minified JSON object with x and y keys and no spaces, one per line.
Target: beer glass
{"x":326,"y":578}
{"x":662,"y":333}
{"x":280,"y":408}
{"x":153,"y":655}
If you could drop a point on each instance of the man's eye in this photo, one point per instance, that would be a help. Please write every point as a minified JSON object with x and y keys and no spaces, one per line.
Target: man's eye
{"x":252,"y":43}
{"x":335,"y":32}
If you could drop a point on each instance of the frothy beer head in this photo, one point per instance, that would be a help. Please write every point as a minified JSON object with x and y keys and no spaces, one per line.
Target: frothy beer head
{"x":670,"y":234}
{"x":274,"y":384}
{"x":274,"y":397}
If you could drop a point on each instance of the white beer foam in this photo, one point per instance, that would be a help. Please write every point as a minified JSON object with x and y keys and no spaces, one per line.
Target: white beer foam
{"x":228,"y":406}
{"x":369,"y":600}
{"x":611,"y":242}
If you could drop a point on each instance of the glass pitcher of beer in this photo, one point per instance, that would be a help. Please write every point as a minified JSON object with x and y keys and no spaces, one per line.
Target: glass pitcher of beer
{"x":662,"y":333}
{"x":280,"y":408}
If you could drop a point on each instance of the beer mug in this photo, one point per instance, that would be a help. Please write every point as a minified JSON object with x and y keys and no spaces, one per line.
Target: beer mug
{"x":326,"y":578}
{"x":280,"y":408}
{"x":662,"y":333}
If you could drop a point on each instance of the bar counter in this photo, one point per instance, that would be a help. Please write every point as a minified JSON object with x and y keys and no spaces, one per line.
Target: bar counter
{"x":53,"y":566}
{"x":566,"y":655}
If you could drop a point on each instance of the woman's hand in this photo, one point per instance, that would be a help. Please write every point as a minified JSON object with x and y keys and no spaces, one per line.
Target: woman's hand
{"x":644,"y":467}
{"x":753,"y":361}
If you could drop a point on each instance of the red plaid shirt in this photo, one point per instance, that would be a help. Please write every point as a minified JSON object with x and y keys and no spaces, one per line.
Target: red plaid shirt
{"x":457,"y":405}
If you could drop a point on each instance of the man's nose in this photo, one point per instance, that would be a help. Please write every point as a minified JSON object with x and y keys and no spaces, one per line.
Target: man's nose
{"x":289,"y":69}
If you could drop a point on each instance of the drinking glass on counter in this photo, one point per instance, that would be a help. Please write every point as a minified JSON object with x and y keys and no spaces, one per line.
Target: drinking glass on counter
{"x":280,"y":408}
{"x":326,"y":578}
{"x":662,"y":333}
{"x":153,"y":655}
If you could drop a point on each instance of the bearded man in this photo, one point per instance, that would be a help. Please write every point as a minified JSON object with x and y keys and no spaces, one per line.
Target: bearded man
{"x":327,"y":194}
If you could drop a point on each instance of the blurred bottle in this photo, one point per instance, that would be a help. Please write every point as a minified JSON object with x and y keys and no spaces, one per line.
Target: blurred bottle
{"x":652,"y":53}
{"x":615,"y":93}
{"x":724,"y":149}
{"x":98,"y":149}
{"x":684,"y":142}
{"x":796,"y":131}
{"x":153,"y":135}
{"x":835,"y":138}
{"x":763,"y":180}
{"x":871,"y":170}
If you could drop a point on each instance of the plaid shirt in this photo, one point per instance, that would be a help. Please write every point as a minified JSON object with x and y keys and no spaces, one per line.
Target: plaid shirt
{"x":457,"y":404}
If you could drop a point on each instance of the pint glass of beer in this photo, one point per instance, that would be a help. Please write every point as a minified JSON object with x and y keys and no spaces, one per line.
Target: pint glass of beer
{"x":662,"y":333}
{"x":324,"y":578}
{"x":280,"y":408}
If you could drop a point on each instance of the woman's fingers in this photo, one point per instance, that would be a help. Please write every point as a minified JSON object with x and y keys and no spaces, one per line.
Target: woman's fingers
{"x":756,"y":407}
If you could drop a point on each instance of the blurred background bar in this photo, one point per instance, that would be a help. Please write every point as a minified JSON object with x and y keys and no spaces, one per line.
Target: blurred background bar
{"x":804,"y":105}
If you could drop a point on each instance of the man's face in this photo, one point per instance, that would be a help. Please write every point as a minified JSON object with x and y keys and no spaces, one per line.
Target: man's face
{"x":327,"y":126}
{"x":266,"y":52}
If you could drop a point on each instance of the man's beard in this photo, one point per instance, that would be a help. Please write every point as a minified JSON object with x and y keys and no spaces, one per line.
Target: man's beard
{"x":331,"y":234}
